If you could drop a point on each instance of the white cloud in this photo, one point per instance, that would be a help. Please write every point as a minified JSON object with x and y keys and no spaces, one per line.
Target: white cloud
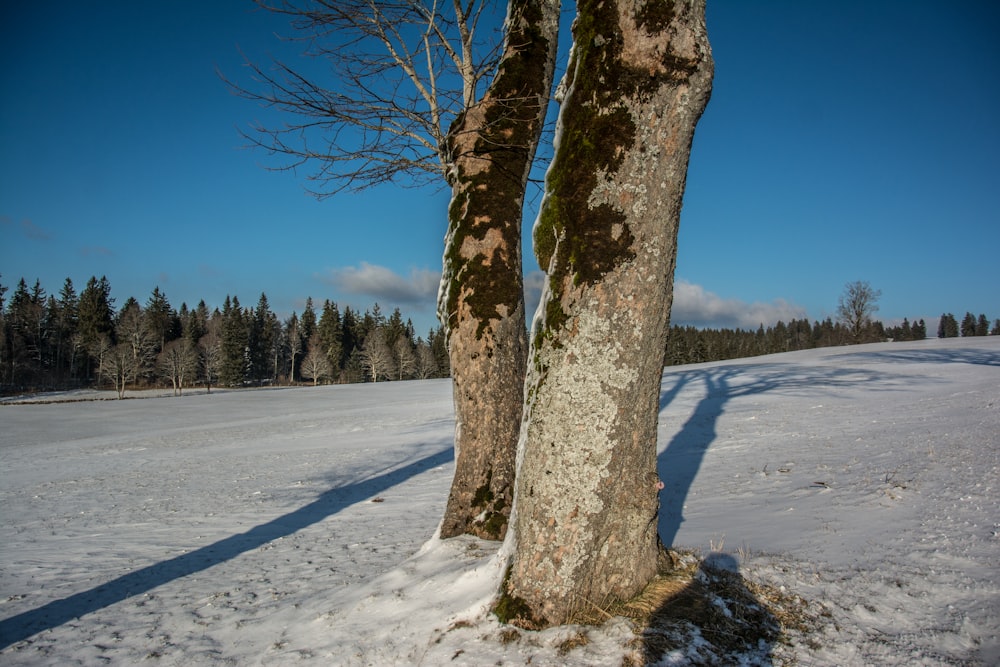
{"x":693,"y":304}
{"x":383,"y":284}
{"x":696,"y":306}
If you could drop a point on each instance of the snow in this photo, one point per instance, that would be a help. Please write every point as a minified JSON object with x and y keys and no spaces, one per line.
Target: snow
{"x":296,"y":526}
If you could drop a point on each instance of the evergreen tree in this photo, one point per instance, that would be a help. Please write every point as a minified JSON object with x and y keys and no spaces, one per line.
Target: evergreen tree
{"x":438,"y":342}
{"x":350,"y":339}
{"x":196,"y":324}
{"x":96,"y":319}
{"x":5,"y":366}
{"x":233,"y":344}
{"x":65,"y":315}
{"x":948,"y":326}
{"x":969,"y":325}
{"x":906,"y":332}
{"x":353,"y":368}
{"x":307,"y":322}
{"x":25,"y":322}
{"x":996,"y":328}
{"x":330,"y":333}
{"x":982,"y":325}
{"x":160,"y":319}
{"x":261,"y":341}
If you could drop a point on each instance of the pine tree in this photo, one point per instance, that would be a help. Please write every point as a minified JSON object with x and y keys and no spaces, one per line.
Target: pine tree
{"x":160,"y":319}
{"x":969,"y":325}
{"x":330,"y":334}
{"x":261,"y":341}
{"x":5,"y":366}
{"x":96,"y":313}
{"x":947,"y":326}
{"x":349,"y":337}
{"x":64,"y":325}
{"x":982,"y":325}
{"x":233,"y":342}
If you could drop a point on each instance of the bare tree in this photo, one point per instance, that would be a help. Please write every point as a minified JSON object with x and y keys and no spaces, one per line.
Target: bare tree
{"x":855,"y":308}
{"x":425,"y":92}
{"x":426,"y":364}
{"x":376,"y":355}
{"x":210,"y":350}
{"x":100,"y":349}
{"x":119,"y":367}
{"x":585,"y":529}
{"x":133,"y":330}
{"x":403,"y":357}
{"x":294,"y":346}
{"x":178,"y":362}
{"x":315,"y":365}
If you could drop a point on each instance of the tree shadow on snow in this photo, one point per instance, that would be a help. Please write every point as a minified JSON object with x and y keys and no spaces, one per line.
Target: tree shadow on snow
{"x":973,"y":356}
{"x":710,"y":616}
{"x":57,"y":612}
{"x":679,"y":462}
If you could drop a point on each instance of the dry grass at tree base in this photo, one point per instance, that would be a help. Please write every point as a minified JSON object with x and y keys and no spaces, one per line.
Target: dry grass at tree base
{"x":704,"y":609}
{"x":707,"y":610}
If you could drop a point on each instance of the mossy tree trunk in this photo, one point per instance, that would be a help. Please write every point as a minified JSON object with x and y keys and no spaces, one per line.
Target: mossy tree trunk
{"x":481,"y":302}
{"x":584,"y":522}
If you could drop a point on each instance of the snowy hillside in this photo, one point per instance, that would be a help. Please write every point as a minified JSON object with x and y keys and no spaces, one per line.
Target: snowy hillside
{"x":293,"y":526}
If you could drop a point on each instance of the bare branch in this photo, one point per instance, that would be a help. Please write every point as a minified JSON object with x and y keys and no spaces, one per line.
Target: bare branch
{"x":403,"y":71}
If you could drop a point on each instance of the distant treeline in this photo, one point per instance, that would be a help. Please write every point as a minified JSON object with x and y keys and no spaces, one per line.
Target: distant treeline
{"x":70,"y":340}
{"x":690,"y":345}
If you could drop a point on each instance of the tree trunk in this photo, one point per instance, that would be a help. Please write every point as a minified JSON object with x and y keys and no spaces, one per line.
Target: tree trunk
{"x":587,"y":497}
{"x":481,"y":300}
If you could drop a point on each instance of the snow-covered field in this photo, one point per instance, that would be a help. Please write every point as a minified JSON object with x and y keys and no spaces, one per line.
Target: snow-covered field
{"x":294,"y":526}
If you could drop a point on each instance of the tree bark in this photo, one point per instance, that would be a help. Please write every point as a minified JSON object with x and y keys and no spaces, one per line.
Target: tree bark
{"x":587,"y":497}
{"x":481,"y":301}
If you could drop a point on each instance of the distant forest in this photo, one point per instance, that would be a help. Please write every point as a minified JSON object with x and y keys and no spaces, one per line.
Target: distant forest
{"x":71,"y":340}
{"x":688,"y":345}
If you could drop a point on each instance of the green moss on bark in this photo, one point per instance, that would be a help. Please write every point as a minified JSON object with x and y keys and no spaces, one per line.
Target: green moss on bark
{"x":489,"y":196}
{"x":573,"y":239}
{"x":513,"y":610}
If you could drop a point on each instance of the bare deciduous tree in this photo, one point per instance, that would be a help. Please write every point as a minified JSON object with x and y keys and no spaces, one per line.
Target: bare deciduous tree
{"x":210,"y":349}
{"x":315,"y":365}
{"x":119,"y":366}
{"x":133,"y":330}
{"x":404,"y":358}
{"x":294,"y":346}
{"x":178,"y":362}
{"x":584,"y":526}
{"x":376,"y":355}
{"x":424,"y":92}
{"x":426,"y":364}
{"x":855,"y":308}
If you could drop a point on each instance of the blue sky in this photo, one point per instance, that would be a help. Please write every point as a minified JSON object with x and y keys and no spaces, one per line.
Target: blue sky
{"x":844,"y":141}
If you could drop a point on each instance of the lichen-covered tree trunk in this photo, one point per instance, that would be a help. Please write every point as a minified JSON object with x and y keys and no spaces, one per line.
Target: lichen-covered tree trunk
{"x":584,"y":523}
{"x":481,"y":301}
